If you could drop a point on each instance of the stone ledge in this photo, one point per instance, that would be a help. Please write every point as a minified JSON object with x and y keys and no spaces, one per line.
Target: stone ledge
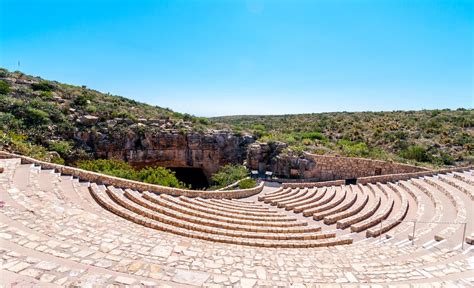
{"x":130,"y":184}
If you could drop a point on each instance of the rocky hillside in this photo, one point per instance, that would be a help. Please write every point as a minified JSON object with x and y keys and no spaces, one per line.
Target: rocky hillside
{"x":65,"y":123}
{"x":429,"y":137}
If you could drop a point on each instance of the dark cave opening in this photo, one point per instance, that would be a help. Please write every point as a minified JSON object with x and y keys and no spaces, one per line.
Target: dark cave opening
{"x":190,"y":175}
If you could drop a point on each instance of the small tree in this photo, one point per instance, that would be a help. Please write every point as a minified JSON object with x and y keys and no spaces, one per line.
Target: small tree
{"x":229,"y":174}
{"x":4,"y":87}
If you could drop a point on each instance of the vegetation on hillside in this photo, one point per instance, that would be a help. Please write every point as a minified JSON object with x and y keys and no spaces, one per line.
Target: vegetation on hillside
{"x":428,"y":137}
{"x":117,"y":168}
{"x":38,"y":117}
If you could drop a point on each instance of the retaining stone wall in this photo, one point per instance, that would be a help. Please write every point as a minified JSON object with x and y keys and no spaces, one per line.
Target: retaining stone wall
{"x":333,"y":168}
{"x":134,"y":185}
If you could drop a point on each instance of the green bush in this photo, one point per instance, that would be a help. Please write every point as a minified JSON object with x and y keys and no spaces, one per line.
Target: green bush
{"x":118,"y":168}
{"x":416,"y":153}
{"x":313,"y":136}
{"x":160,"y":176}
{"x":42,"y":86}
{"x":19,"y":143}
{"x":4,"y":87}
{"x":36,"y":117}
{"x":353,"y":149}
{"x":64,"y":148}
{"x":229,"y":174}
{"x":46,"y":95}
{"x":247,"y":183}
{"x":3,"y":72}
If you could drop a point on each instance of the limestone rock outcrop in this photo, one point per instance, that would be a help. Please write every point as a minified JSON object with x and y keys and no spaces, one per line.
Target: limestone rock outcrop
{"x":144,"y":146}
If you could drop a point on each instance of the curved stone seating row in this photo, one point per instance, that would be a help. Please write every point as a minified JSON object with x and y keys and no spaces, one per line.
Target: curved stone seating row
{"x":327,"y":197}
{"x":381,"y":214}
{"x":227,"y":212}
{"x":343,"y":206}
{"x":462,"y":186}
{"x":395,"y":220}
{"x":121,"y":198}
{"x":370,"y":208}
{"x":237,"y":206}
{"x":288,"y":203}
{"x":438,"y":204}
{"x":279,"y":191}
{"x":362,"y":200}
{"x":267,"y":213}
{"x":239,"y":203}
{"x":206,"y":221}
{"x":456,"y":201}
{"x":417,"y":215}
{"x":339,"y":197}
{"x":118,"y":204}
{"x":315,"y":195}
{"x":195,"y":210}
{"x":300,"y":195}
{"x":466,"y":177}
{"x":282,"y":196}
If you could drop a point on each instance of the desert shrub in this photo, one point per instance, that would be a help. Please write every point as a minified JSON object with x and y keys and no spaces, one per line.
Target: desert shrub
{"x":82,"y":100}
{"x":64,"y":148}
{"x":416,"y":153}
{"x":313,"y":135}
{"x":91,"y":109}
{"x":306,"y":142}
{"x":4,"y":87}
{"x":229,"y":174}
{"x":3,"y":72}
{"x":42,"y":86}
{"x":57,"y":160}
{"x":353,"y":149}
{"x":118,"y":168}
{"x":110,"y":167}
{"x":298,"y":149}
{"x":19,"y":143}
{"x":9,"y":122}
{"x":36,"y":117}
{"x":46,"y":95}
{"x":160,"y":176}
{"x":247,"y":183}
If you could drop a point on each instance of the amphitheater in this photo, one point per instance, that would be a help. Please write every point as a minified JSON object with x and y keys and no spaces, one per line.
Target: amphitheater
{"x":62,"y":226}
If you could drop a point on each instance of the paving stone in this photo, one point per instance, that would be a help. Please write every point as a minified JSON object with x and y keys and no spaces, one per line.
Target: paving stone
{"x":18,"y":267}
{"x":190,"y":277}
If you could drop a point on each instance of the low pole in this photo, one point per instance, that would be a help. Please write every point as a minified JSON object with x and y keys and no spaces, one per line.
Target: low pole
{"x":380,"y":235}
{"x":463,"y":236}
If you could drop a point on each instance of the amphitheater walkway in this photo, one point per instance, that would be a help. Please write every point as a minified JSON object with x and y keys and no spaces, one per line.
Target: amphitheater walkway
{"x":54,"y":233}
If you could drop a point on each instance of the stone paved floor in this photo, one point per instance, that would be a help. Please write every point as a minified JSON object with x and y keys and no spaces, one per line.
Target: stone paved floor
{"x":54,"y":234}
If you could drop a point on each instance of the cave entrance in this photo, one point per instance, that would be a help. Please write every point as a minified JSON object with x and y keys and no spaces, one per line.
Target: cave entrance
{"x":191,"y":176}
{"x":352,"y":181}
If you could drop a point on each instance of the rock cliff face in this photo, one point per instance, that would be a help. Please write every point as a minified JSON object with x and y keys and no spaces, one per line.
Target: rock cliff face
{"x":173,"y":149}
{"x":263,"y":156}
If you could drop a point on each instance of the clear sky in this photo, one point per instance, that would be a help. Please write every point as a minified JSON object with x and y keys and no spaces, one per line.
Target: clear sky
{"x":213,"y":58}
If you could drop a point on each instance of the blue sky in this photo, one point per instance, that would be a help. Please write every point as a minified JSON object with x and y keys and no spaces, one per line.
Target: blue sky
{"x":213,"y":58}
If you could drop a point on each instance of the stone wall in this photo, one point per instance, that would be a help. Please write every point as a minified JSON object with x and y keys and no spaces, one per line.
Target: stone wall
{"x":379,"y":178}
{"x":333,"y":168}
{"x":327,"y":168}
{"x":269,"y":157}
{"x":135,"y":185}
